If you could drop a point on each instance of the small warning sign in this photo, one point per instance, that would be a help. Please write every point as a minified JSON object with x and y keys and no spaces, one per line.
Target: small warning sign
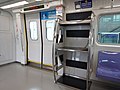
{"x":82,"y":4}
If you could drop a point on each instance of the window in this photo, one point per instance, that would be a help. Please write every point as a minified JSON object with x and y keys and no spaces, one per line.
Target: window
{"x":33,"y":30}
{"x":109,"y":29}
{"x":50,"y":25}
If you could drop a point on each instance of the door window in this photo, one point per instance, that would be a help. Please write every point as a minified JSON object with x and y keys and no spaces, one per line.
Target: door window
{"x":50,"y":25}
{"x":33,"y":30}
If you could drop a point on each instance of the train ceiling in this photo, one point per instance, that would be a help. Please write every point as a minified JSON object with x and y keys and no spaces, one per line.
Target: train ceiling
{"x":31,"y":2}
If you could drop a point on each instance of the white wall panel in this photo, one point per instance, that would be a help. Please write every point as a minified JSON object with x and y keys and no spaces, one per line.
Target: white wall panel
{"x":116,"y":2}
{"x":4,"y":23}
{"x":7,"y":40}
{"x":6,"y":49}
{"x":97,"y":4}
{"x":101,"y":3}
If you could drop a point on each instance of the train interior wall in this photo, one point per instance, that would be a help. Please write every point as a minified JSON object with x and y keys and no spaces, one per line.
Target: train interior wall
{"x":13,"y":46}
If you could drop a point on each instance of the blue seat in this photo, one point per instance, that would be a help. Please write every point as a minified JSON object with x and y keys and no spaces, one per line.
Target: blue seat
{"x":108,"y":65}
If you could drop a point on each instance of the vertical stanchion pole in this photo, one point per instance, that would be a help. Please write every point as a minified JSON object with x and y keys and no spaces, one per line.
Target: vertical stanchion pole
{"x":112,"y":3}
{"x":54,"y":50}
{"x":88,"y":62}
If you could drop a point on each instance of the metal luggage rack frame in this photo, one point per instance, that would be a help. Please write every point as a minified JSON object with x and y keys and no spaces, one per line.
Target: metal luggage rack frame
{"x":66,"y":79}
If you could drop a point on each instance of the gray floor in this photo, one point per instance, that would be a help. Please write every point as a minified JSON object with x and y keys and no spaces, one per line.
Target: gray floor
{"x":17,"y":77}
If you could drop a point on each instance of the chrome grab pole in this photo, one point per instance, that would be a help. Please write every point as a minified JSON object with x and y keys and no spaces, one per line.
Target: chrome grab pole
{"x":112,"y":3}
{"x":89,"y":59}
{"x":54,"y":48}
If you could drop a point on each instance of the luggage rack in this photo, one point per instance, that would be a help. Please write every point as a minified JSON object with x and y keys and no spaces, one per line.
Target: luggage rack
{"x":72,"y":49}
{"x":71,"y":80}
{"x":75,"y":22}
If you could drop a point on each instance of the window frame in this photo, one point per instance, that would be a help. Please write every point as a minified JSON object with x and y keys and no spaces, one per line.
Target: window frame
{"x":97,"y":36}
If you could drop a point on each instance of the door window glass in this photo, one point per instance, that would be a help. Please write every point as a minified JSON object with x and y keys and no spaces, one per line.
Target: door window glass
{"x":50,"y":25}
{"x":33,"y":30}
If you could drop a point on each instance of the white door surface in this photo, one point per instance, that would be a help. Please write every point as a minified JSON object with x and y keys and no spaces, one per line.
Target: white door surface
{"x":34,"y":37}
{"x":48,"y":31}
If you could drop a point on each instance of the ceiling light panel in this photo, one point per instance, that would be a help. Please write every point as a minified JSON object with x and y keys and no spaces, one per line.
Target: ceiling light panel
{"x":14,"y":5}
{"x":38,"y":0}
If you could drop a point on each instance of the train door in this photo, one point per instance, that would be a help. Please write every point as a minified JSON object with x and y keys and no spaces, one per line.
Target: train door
{"x":34,"y":37}
{"x":48,"y":25}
